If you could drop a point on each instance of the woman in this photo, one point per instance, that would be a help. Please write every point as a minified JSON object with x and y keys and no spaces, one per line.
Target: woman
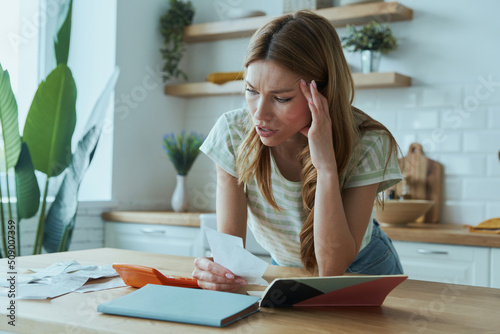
{"x":301,"y":165}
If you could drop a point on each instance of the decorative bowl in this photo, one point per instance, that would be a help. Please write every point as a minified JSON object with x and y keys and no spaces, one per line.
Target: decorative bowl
{"x":400,"y":212}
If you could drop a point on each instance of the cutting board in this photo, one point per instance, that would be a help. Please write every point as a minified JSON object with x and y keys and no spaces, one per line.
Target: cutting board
{"x":424,"y":179}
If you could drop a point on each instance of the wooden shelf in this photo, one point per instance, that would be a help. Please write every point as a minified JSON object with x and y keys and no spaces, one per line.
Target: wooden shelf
{"x":361,"y":81}
{"x":339,"y":16}
{"x":380,"y":80}
{"x":201,"y":89}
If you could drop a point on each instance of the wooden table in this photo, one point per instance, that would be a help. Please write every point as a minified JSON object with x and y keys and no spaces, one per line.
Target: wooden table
{"x":413,"y":307}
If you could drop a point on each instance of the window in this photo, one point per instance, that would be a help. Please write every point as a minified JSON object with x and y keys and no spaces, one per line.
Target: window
{"x":19,"y":39}
{"x":27,"y":30}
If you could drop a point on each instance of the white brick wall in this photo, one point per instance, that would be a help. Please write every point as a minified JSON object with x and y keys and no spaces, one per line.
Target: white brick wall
{"x":454,"y":130}
{"x":88,"y":233}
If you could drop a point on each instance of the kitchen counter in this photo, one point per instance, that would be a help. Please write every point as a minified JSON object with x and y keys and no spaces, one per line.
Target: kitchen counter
{"x":191,"y":219}
{"x":414,"y":306}
{"x":435,"y":233}
{"x":442,"y":234}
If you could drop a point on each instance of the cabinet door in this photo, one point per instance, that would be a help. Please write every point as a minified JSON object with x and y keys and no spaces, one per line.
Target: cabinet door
{"x":445,"y":263}
{"x":495,"y":268}
{"x":163,"y":239}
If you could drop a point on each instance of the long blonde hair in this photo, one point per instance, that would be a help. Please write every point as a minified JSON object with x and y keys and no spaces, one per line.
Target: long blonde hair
{"x":308,"y":45}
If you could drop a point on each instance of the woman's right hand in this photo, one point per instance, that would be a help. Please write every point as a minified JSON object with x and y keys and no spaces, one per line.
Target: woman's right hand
{"x":213,"y":276}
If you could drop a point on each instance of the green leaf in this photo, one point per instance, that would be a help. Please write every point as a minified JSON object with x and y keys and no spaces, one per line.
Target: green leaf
{"x":60,"y":220}
{"x":51,"y":121}
{"x":8,"y":118}
{"x":27,"y":190}
{"x":63,"y":210}
{"x":61,"y":42}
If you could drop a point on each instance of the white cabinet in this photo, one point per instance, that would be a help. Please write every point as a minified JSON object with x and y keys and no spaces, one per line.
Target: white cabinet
{"x":163,"y":239}
{"x":495,"y":268}
{"x":446,"y":263}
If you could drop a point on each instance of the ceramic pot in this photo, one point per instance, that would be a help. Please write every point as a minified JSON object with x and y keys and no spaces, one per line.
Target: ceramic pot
{"x":370,"y":61}
{"x":180,"y":199}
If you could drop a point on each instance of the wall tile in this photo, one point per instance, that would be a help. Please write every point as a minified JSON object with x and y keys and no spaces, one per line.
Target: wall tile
{"x":439,"y":140}
{"x":89,"y":222}
{"x":463,"y":165}
{"x":86,"y":245}
{"x":437,"y":96}
{"x":484,"y":141}
{"x":456,"y":212}
{"x":365,"y":99}
{"x":452,"y":189}
{"x":482,"y":189}
{"x":492,"y":210}
{"x":482,"y":92}
{"x":202,"y":198}
{"x":493,"y":164}
{"x":399,"y":98}
{"x":453,"y":118}
{"x":405,"y":140}
{"x":418,"y":120}
{"x":494,"y":117}
{"x":388,"y":118}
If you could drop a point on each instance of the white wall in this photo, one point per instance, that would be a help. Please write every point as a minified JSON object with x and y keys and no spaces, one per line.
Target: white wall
{"x":142,"y":175}
{"x":450,"y":49}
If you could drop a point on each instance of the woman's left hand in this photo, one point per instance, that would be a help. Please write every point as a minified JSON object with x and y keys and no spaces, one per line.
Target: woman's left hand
{"x":319,"y":132}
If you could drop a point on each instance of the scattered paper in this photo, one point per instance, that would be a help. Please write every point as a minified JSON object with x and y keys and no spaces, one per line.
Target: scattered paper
{"x":228,"y":251}
{"x":61,"y":278}
{"x":114,"y":283}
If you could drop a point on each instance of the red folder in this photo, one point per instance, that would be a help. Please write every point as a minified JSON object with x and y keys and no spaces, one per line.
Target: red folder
{"x":366,"y":290}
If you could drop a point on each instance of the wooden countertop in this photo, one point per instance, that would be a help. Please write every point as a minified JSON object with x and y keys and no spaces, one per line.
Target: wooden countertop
{"x":441,"y":233}
{"x":435,"y":233}
{"x":413,"y":306}
{"x":155,"y":217}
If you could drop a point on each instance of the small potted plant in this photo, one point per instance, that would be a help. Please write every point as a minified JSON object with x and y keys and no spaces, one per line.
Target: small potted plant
{"x":179,"y":15}
{"x":372,"y":40}
{"x":182,"y":149}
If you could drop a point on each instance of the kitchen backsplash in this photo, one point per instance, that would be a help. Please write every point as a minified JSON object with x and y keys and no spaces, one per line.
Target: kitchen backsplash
{"x":452,"y":128}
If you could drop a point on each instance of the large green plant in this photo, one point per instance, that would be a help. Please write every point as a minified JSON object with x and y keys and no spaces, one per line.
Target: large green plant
{"x":179,"y":15}
{"x":46,"y":146}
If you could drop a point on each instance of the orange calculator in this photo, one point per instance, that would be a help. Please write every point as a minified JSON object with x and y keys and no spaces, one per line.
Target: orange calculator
{"x":138,"y":276}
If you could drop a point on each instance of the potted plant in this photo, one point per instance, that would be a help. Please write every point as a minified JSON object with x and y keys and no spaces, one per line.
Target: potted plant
{"x":179,"y":15}
{"x":372,"y":40}
{"x":182,"y":149}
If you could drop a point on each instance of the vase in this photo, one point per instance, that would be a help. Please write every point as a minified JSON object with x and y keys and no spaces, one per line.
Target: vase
{"x":370,"y":61}
{"x":180,"y":199}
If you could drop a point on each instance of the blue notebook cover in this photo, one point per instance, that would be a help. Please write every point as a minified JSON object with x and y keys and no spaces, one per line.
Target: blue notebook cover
{"x":192,"y":306}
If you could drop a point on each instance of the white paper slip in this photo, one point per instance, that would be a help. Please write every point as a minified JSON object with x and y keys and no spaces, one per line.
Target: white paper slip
{"x":228,"y":251}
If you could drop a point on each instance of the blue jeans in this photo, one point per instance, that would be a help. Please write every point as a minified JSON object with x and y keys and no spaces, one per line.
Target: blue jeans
{"x":379,"y":257}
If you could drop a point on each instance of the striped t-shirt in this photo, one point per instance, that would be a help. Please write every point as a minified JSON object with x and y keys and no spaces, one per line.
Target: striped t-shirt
{"x":279,"y":233}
